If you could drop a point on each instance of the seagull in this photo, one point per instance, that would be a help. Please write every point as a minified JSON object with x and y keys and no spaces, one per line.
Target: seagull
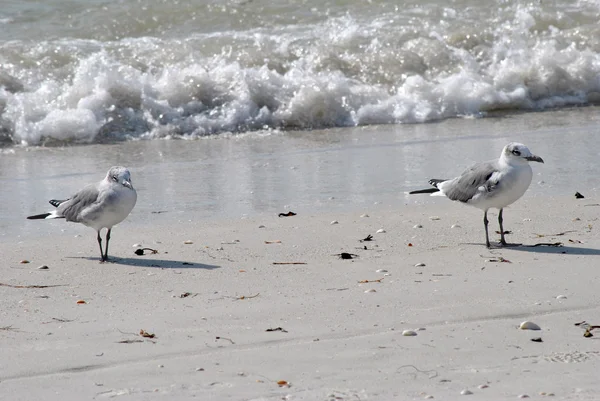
{"x":100,"y":205}
{"x":493,"y":184}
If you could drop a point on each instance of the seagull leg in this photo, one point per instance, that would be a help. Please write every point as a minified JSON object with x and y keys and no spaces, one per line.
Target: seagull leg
{"x":106,"y":251}
{"x":100,"y":244}
{"x":500,"y":220}
{"x":485,"y":223}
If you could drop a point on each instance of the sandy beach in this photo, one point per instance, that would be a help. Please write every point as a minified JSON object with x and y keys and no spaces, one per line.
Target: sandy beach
{"x":335,"y":324}
{"x":229,"y":113}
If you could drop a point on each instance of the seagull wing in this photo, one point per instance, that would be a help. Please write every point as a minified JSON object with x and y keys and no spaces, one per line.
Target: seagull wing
{"x":479,"y":179}
{"x":81,"y":204}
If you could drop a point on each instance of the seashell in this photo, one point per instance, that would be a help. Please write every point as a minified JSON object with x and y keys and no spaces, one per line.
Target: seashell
{"x":420,"y":265}
{"x":409,"y":333}
{"x":188,"y":242}
{"x":81,"y":301}
{"x":523,"y":396}
{"x":24,"y":261}
{"x":261,"y":226}
{"x":454,"y":226}
{"x":334,"y":222}
{"x":380,"y":271}
{"x":43,"y":267}
{"x":380,"y":231}
{"x":527,"y":325}
{"x":466,"y":392}
{"x":561,"y":297}
{"x":482,"y":386}
{"x":434,"y":218}
{"x":417,"y":226}
{"x":364,"y":215}
{"x":371,"y":290}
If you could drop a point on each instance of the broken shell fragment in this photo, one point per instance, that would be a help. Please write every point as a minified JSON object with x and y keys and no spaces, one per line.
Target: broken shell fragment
{"x":43,"y":267}
{"x":334,"y":222}
{"x":561,"y":297}
{"x":380,"y":231}
{"x":371,"y":290}
{"x":188,"y":242}
{"x":420,"y":265}
{"x":466,"y":392}
{"x":409,"y":333}
{"x":417,"y":226}
{"x":527,"y":325}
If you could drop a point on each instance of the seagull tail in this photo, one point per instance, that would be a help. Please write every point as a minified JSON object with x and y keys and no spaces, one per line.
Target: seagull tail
{"x":49,"y":215}
{"x":434,"y":182}
{"x":424,"y":191}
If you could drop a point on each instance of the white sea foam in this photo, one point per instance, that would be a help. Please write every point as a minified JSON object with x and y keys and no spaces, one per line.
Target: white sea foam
{"x":411,"y":66}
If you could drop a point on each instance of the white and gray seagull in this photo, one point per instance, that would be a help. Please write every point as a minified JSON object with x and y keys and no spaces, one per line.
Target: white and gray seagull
{"x":493,"y":184}
{"x":100,"y":205}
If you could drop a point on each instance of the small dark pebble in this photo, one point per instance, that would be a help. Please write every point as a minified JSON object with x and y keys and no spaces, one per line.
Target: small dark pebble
{"x":278,"y":329}
{"x":288,"y":214}
{"x":578,"y":196}
{"x":346,"y":255}
{"x":537,"y":340}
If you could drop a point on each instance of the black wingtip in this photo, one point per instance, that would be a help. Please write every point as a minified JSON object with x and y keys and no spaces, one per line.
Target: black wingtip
{"x":38,"y":216}
{"x":56,"y":202}
{"x":435,"y":181}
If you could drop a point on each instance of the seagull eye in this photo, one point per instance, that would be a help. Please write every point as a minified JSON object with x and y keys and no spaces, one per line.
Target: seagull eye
{"x":516,"y":152}
{"x":115,"y":179}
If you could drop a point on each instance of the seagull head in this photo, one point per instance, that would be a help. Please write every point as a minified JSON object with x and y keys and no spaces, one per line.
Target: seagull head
{"x":120,"y":176}
{"x":516,"y":152}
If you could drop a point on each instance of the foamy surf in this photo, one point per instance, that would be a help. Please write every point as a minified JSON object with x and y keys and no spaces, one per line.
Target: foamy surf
{"x":360,"y":66}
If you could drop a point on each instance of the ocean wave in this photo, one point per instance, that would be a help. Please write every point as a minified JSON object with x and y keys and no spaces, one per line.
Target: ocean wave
{"x":395,"y":67}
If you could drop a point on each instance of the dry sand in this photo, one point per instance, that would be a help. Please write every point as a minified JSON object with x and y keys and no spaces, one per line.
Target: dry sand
{"x":340,"y":341}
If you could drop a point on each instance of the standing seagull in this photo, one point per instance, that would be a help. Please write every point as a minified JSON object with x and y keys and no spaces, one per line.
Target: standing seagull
{"x":492,"y":184}
{"x":100,"y":205}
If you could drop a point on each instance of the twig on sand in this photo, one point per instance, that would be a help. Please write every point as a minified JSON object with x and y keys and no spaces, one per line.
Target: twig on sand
{"x":31,"y":286}
{"x":9,"y":328}
{"x":371,"y":281}
{"x":554,"y":244}
{"x":557,"y":234}
{"x":55,"y":319}
{"x":289,"y":263}
{"x":420,"y":371}
{"x":245,"y":297}
{"x":224,"y":338}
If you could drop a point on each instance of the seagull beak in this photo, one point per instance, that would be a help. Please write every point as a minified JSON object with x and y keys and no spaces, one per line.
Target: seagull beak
{"x":127,"y":184}
{"x":534,"y":158}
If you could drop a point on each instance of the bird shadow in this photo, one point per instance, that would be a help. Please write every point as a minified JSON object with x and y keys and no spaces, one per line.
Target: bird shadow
{"x":545,"y":248}
{"x":563,"y":250}
{"x":152,"y":262}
